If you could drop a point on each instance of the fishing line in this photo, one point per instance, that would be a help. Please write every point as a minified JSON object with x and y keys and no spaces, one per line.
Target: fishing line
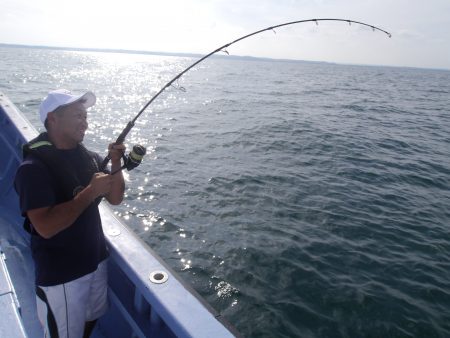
{"x":121,"y":138}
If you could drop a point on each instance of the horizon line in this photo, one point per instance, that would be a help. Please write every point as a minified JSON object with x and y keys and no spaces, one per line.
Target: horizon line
{"x":146,"y":52}
{"x":185,"y":54}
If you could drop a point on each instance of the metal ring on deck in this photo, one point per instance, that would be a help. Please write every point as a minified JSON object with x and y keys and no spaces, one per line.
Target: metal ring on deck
{"x":113,"y":232}
{"x":159,"y":277}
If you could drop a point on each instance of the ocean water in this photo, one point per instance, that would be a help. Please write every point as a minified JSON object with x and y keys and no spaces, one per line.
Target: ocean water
{"x":300,"y":199}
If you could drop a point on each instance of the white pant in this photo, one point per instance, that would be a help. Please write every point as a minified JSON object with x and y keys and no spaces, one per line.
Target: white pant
{"x":65,"y":308}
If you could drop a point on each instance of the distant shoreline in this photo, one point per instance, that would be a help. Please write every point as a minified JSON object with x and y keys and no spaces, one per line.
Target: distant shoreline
{"x":197,"y":55}
{"x":142,"y":52}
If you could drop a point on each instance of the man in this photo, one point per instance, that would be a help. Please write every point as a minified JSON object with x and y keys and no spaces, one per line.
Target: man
{"x":60,"y":186}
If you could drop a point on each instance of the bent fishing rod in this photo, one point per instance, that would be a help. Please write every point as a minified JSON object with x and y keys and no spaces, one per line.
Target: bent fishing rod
{"x":135,"y":157}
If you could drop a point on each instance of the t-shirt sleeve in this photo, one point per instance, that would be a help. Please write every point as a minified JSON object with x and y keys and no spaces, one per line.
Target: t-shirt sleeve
{"x":34,"y":187}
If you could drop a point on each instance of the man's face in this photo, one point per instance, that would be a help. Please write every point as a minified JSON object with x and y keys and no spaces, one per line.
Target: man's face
{"x":71,"y":123}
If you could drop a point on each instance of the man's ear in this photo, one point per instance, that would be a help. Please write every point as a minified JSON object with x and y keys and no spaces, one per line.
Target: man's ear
{"x":51,"y":118}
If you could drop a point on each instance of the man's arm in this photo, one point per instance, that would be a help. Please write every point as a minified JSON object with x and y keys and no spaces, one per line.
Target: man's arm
{"x":49,"y":221}
{"x":115,"y":195}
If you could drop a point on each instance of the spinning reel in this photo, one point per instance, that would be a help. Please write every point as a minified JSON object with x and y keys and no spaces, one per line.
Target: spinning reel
{"x":133,"y":159}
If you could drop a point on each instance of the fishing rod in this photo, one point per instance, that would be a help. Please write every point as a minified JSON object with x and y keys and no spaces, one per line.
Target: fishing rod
{"x":137,"y":155}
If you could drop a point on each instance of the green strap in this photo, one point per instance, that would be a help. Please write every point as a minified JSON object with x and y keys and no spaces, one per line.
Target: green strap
{"x":39,"y":144}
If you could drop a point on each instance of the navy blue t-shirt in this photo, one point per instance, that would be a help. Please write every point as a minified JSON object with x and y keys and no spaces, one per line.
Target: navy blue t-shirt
{"x":73,"y":252}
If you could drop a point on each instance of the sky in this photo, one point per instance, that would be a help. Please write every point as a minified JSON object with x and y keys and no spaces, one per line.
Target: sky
{"x":420,"y":29}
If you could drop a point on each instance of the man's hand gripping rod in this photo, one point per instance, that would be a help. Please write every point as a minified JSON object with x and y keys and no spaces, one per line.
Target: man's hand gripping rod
{"x":133,"y":159}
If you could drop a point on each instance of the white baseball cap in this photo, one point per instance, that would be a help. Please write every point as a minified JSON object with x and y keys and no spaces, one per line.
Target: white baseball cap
{"x":63,"y":97}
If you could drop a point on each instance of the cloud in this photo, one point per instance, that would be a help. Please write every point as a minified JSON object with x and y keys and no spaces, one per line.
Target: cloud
{"x":408,"y":34}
